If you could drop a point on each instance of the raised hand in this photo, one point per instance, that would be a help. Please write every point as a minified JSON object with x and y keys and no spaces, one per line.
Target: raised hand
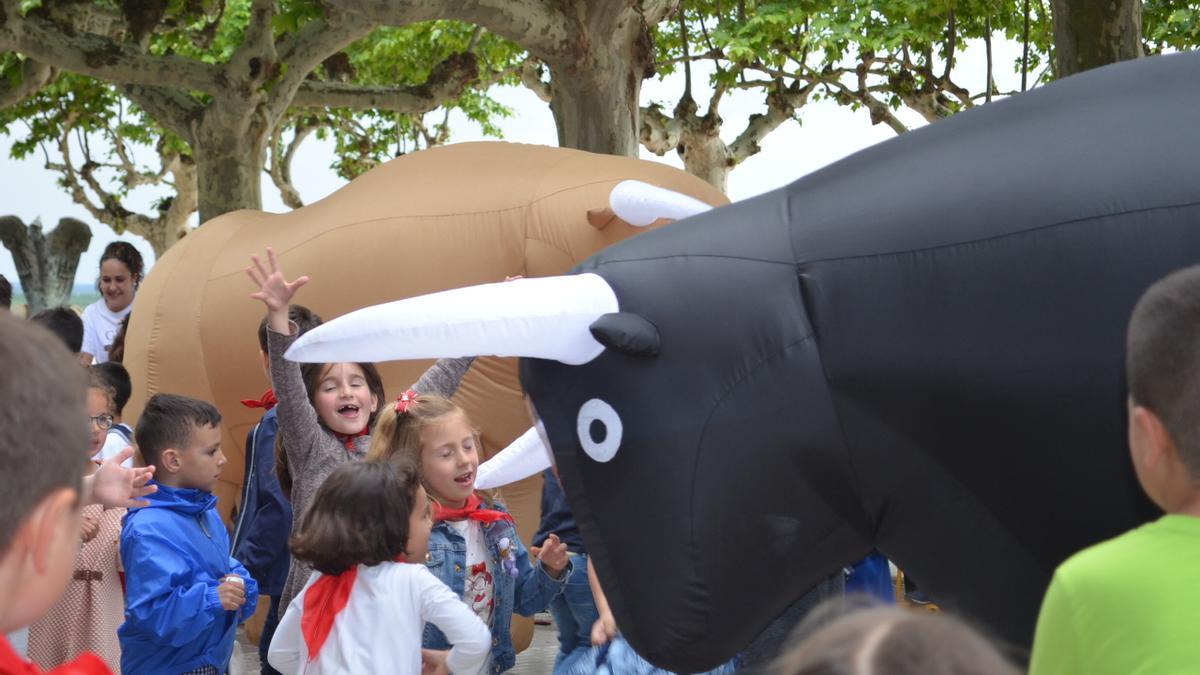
{"x":115,"y":486}
{"x":553,"y":555}
{"x":273,"y":289}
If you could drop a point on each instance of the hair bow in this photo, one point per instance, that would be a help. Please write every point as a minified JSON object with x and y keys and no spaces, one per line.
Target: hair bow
{"x":403,"y":401}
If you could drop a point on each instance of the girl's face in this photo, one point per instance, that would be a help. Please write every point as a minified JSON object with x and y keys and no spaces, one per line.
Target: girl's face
{"x":116,"y":284}
{"x":343,"y":399}
{"x":420,"y":522}
{"x":97,"y":404}
{"x":449,"y":459}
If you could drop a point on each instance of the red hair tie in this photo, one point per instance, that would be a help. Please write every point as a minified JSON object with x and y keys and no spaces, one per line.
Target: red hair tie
{"x":404,"y":400}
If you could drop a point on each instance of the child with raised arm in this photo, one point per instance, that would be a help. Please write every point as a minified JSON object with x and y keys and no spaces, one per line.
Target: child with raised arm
{"x":1129,"y":605}
{"x":325,"y":410}
{"x":364,"y":607}
{"x":474,"y":548}
{"x":185,"y":595}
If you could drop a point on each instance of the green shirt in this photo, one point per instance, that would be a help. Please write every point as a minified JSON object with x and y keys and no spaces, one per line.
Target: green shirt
{"x":1127,"y":605}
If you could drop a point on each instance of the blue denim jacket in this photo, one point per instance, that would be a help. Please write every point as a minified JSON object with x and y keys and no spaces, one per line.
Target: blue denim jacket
{"x":528,"y":594}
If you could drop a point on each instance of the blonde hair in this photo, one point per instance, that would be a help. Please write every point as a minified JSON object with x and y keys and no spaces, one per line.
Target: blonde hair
{"x":857,"y":635}
{"x":398,"y":435}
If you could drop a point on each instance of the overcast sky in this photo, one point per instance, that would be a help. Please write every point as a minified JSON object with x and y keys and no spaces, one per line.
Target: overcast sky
{"x":828,"y":133}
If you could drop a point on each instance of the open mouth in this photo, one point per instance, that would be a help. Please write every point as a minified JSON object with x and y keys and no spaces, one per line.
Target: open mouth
{"x":349,"y":411}
{"x":465,"y":479}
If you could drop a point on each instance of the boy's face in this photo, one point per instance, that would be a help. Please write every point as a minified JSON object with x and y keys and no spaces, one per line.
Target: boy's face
{"x":198,"y":464}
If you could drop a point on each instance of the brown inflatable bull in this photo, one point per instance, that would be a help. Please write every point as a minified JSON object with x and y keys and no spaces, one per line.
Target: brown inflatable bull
{"x":437,"y":219}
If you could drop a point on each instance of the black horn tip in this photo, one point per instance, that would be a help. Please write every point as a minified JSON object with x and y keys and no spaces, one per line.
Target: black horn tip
{"x":627,"y":333}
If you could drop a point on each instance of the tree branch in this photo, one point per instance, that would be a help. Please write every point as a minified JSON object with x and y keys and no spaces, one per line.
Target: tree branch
{"x":531,"y":77}
{"x":300,"y":53}
{"x":447,"y":82}
{"x":536,"y":25}
{"x":781,"y":107}
{"x":173,"y":109}
{"x":659,"y":133}
{"x":34,"y":76}
{"x":102,"y":58}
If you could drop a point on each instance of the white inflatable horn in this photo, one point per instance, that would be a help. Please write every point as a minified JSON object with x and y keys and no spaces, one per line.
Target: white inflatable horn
{"x":522,"y":458}
{"x":547,"y":318}
{"x":641,"y":204}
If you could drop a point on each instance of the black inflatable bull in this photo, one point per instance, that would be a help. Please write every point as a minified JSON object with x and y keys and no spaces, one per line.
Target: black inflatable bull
{"x":918,"y":349}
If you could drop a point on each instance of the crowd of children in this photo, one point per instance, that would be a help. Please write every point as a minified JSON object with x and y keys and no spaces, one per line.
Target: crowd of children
{"x":396,"y":562}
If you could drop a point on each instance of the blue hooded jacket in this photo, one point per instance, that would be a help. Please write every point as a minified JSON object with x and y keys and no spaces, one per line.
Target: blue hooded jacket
{"x":175,"y":552}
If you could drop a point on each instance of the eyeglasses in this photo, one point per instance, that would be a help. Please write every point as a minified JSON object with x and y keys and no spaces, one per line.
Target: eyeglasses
{"x":105,"y":421}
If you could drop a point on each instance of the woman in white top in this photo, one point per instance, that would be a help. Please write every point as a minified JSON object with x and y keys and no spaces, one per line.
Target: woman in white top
{"x":121,"y":270}
{"x":364,"y":607}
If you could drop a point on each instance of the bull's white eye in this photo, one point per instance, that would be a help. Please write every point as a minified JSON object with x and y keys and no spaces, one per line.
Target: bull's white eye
{"x":599,"y":430}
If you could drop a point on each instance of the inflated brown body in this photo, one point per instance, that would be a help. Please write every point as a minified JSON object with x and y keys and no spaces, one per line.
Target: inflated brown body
{"x":437,"y":219}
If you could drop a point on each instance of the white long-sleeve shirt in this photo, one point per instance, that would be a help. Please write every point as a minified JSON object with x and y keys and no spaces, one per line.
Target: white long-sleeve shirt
{"x":379,"y":630}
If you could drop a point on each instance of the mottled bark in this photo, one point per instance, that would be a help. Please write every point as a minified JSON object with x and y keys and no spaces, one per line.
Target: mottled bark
{"x":1089,"y":33}
{"x":45,"y":264}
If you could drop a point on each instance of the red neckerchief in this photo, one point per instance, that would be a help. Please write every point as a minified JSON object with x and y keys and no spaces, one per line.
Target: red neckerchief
{"x":472,"y":511}
{"x":322,"y":603}
{"x":348,"y":439}
{"x":267,"y":401}
{"x":12,"y":664}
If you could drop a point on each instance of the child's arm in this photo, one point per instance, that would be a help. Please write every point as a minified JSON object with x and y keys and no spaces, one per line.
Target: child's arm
{"x":176,"y":615}
{"x":605,"y":627}
{"x":286,"y":653}
{"x":461,"y":626}
{"x":538,"y":582}
{"x":298,"y":423}
{"x":443,"y":377}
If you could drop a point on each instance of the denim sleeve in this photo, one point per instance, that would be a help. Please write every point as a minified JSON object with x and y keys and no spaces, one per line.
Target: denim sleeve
{"x":535,"y":588}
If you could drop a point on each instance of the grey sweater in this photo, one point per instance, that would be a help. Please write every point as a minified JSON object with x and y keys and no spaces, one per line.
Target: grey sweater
{"x":313,"y":451}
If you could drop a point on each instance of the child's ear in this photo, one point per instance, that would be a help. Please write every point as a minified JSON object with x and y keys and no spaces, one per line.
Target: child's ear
{"x":171,"y":460}
{"x":1149,"y":438}
{"x":54,"y":517}
{"x":374,"y":402}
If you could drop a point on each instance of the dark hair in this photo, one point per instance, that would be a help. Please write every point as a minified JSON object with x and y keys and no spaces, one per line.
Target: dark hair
{"x":97,"y":380}
{"x":126,"y":253}
{"x":116,"y":351}
{"x":43,"y":390}
{"x":168,"y":421}
{"x":304,"y":318}
{"x":118,"y":378}
{"x":5,"y":293}
{"x":1162,"y":359}
{"x":359,"y":516}
{"x":857,"y":635}
{"x":311,"y":374}
{"x":63,"y":322}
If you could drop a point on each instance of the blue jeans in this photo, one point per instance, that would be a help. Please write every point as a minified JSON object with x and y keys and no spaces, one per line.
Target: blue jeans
{"x":268,"y":632}
{"x":574,"y":612}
